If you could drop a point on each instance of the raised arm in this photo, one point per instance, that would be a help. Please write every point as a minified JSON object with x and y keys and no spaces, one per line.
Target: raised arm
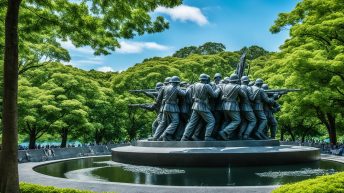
{"x":212,"y":93}
{"x":265,"y":98}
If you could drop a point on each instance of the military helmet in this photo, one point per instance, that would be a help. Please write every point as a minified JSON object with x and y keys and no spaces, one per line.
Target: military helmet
{"x":259,"y":81}
{"x":159,"y":85}
{"x":251,"y":83}
{"x":217,"y":75}
{"x":167,"y":80}
{"x":245,"y":79}
{"x":225,"y":80}
{"x":265,"y":86}
{"x":203,"y":77}
{"x":175,"y":79}
{"x":234,"y":78}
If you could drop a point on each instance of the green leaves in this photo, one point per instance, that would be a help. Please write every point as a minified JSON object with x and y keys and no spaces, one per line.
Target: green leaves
{"x":205,"y":49}
{"x":312,"y":59}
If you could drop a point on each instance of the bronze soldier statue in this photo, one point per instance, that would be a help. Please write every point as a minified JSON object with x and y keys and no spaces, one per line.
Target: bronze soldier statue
{"x":231,"y":93}
{"x":218,"y":113}
{"x":167,"y":81}
{"x":217,"y":78}
{"x":151,"y":107}
{"x":157,"y":108}
{"x":200,"y":128}
{"x":185,"y":104}
{"x":259,"y":99}
{"x":200,"y":109}
{"x":249,"y":119}
{"x":269,"y":113}
{"x":169,"y":97}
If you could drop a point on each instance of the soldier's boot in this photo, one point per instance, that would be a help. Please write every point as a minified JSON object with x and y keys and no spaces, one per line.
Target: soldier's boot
{"x":196,"y":138}
{"x":245,"y":137}
{"x":273,"y":131}
{"x":223,"y":135}
{"x":160,"y":139}
{"x":167,"y":137}
{"x":184,"y":138}
{"x":257,"y":135}
{"x":263,"y":136}
{"x":152,"y":139}
{"x":209,"y":139}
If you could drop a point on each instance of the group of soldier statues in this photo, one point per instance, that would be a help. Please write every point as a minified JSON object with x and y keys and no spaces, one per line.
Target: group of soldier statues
{"x":226,"y":109}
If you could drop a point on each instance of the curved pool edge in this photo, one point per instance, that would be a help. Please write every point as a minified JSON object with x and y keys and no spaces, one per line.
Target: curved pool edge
{"x":27,"y":174}
{"x":214,"y":156}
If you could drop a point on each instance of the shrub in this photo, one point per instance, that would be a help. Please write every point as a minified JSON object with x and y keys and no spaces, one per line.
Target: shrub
{"x":33,"y":188}
{"x":322,"y":184}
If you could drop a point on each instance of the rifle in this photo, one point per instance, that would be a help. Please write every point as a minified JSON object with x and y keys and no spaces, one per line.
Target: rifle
{"x":143,"y":90}
{"x":139,"y":105}
{"x":146,"y":106}
{"x":281,"y":91}
{"x":152,"y":91}
{"x":240,"y":70}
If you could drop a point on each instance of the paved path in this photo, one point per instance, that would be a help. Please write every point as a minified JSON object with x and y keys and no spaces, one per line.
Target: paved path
{"x":28,"y":175}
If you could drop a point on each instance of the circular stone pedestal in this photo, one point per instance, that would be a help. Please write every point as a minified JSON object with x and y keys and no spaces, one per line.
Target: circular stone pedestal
{"x":213,"y":153}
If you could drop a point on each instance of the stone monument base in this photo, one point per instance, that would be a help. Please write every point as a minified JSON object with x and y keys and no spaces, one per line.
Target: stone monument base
{"x":213,"y":153}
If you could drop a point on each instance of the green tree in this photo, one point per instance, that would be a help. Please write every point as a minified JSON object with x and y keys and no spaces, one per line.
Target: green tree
{"x":38,"y":111}
{"x":211,"y":48}
{"x":253,"y":52}
{"x":185,"y":52}
{"x":98,"y":26}
{"x":313,"y":57}
{"x":207,"y":48}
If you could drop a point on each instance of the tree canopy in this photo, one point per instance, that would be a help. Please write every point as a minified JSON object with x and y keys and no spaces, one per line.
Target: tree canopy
{"x":205,"y":49}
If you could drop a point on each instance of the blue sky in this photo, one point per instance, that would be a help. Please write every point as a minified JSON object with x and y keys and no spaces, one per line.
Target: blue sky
{"x":235,"y":23}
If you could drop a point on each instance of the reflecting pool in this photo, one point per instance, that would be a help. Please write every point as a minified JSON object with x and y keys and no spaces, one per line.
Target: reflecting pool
{"x":103,"y":169}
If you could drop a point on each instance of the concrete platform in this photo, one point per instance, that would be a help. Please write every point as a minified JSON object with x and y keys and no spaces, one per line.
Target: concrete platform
{"x":234,"y":143}
{"x":213,"y":156}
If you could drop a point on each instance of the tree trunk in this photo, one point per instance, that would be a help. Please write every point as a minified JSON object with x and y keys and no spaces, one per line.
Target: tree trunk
{"x":9,"y":161}
{"x":64,"y":136}
{"x":291,"y":133}
{"x":32,"y":142}
{"x":332,"y":128}
{"x":282,"y":134}
{"x":329,"y":120}
{"x":99,"y":136}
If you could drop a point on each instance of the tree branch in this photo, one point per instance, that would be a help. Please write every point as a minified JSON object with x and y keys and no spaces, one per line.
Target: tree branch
{"x":340,"y":92}
{"x":24,"y":69}
{"x":341,"y":75}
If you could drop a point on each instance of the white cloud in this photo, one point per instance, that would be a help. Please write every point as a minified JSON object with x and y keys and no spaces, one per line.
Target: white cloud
{"x":105,"y":69}
{"x":86,"y":60}
{"x":69,"y":46}
{"x":184,"y":13}
{"x":130,"y":47}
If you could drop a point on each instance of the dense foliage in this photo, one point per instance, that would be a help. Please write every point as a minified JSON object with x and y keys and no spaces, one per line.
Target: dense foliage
{"x":312,"y":59}
{"x":205,"y":49}
{"x":324,"y":184}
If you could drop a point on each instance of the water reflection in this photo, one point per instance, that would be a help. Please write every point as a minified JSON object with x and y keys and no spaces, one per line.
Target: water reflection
{"x":105,"y":170}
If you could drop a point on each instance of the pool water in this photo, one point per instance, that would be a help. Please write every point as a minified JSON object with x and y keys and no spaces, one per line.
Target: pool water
{"x":103,"y":169}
